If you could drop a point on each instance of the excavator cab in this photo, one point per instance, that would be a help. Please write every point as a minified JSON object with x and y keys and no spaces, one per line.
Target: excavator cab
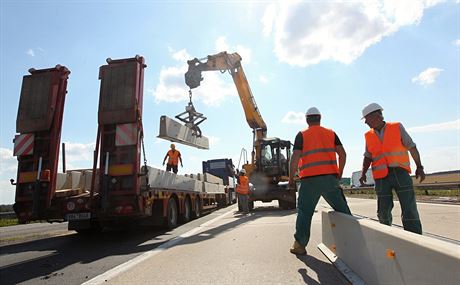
{"x":274,"y":158}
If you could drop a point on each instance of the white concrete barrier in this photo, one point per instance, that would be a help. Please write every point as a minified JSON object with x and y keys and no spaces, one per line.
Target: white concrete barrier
{"x":380,"y":254}
{"x":175,"y":132}
{"x":168,"y":180}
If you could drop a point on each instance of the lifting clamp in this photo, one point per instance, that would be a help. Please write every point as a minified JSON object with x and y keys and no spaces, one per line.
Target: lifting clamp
{"x":191,"y":117}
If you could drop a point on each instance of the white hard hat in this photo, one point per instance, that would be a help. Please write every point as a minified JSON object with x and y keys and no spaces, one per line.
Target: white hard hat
{"x":243,"y":171}
{"x":313,"y":111}
{"x":371,"y":108}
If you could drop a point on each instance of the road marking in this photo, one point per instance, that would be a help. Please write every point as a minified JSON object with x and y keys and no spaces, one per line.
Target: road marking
{"x":104,"y":277}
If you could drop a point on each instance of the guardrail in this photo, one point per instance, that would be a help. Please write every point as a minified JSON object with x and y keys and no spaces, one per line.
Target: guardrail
{"x":427,"y":186}
{"x":8,"y":215}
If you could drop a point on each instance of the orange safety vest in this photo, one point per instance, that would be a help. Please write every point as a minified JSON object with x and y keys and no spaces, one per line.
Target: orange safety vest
{"x":318,"y":152}
{"x":243,"y":187}
{"x":389,"y":153}
{"x":173,"y":157}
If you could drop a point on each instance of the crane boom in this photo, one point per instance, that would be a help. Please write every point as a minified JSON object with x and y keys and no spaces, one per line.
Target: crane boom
{"x":224,"y":61}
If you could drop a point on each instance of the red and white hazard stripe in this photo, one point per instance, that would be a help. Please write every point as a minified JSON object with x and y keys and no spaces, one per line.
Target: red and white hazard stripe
{"x":126,"y":134}
{"x":23,"y":144}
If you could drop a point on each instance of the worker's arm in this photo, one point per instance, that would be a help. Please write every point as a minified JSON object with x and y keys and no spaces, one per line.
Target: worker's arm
{"x":293,"y":166}
{"x":366,"y":163}
{"x":419,"y":171}
{"x":342,"y":159}
{"x":164,"y":159}
{"x":180,"y":159}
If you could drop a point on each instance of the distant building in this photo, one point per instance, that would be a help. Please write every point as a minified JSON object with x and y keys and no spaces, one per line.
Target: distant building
{"x":450,"y":176}
{"x":357,"y":174}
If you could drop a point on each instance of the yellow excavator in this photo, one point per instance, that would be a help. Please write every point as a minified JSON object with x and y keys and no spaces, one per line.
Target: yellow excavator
{"x":268,"y":169}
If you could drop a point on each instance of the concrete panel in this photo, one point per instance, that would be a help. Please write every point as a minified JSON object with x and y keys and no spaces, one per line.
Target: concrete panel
{"x":175,"y":132}
{"x":212,"y":179}
{"x":164,"y":179}
{"x":380,"y":254}
{"x":213,"y":188}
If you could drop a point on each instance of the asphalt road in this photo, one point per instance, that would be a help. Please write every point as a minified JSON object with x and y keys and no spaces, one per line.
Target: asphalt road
{"x":213,"y":249}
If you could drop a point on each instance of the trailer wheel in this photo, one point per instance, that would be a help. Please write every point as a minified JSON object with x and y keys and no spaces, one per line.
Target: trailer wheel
{"x":186,"y":217}
{"x":171,"y":218}
{"x":197,"y":212}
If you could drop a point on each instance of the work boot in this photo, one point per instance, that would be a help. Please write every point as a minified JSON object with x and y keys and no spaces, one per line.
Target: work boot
{"x":297,"y":248}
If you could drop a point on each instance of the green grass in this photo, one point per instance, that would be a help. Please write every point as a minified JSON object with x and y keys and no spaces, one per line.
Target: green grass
{"x":8,"y":222}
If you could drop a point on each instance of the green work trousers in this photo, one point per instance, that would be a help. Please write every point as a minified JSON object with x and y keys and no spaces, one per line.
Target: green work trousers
{"x":399,"y":180}
{"x":311,"y":189}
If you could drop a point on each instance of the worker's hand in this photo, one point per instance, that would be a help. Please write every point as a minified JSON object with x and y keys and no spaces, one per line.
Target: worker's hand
{"x":339,"y":176}
{"x":419,"y":172}
{"x":163,"y":163}
{"x":362,"y":180}
{"x":181,"y":165}
{"x":291,"y":182}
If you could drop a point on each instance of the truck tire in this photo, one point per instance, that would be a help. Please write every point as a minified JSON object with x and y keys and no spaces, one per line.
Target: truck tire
{"x":197,"y":212}
{"x":187,"y":216}
{"x":171,"y":214}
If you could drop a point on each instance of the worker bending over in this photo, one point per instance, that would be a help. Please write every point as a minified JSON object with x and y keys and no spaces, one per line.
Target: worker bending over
{"x":387,"y":146}
{"x":315,"y":157}
{"x":174,"y":157}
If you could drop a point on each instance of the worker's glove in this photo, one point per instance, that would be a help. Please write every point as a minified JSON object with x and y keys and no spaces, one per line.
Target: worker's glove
{"x":362,"y":180}
{"x":181,"y":165}
{"x":420,"y":173}
{"x":163,"y":163}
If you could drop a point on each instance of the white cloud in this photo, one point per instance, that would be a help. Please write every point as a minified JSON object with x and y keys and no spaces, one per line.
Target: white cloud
{"x":307,"y":33}
{"x":245,"y":53}
{"x":31,"y":52}
{"x":8,"y":162}
{"x":79,"y":155}
{"x":427,"y":76}
{"x":456,"y":42}
{"x":214,"y":88}
{"x":441,"y":159}
{"x":294,"y":118}
{"x":446,"y":126}
{"x":263,"y":79}
{"x":213,"y":141}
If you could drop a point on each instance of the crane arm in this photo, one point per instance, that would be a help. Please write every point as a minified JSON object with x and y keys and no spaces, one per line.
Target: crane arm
{"x":224,"y":61}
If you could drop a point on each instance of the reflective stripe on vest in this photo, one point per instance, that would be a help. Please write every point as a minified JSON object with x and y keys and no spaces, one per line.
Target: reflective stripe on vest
{"x":389,"y":153}
{"x":173,"y":157}
{"x":243,"y":187}
{"x":318,"y":152}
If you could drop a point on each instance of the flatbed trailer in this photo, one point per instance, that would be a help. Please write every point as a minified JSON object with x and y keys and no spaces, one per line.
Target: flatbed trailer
{"x":120,"y":189}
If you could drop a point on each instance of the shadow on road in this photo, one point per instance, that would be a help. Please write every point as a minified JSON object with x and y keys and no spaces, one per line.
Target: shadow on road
{"x":55,"y":254}
{"x":62,"y":251}
{"x":322,"y":269}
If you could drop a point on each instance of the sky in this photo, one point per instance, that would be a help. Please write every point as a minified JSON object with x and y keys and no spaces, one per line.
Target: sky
{"x":335,"y":55}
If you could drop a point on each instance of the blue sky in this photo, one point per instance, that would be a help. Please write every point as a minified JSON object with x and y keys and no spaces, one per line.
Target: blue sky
{"x":335,"y":55}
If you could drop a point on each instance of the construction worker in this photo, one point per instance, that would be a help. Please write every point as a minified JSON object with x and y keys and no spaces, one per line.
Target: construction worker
{"x":387,"y":146}
{"x":242,"y":189}
{"x":173,"y":160}
{"x":314,"y":156}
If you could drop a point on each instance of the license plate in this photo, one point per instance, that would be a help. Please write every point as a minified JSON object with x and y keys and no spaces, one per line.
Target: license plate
{"x":78,"y":216}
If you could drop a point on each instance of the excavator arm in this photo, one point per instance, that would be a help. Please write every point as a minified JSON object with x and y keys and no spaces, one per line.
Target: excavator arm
{"x":223,"y":62}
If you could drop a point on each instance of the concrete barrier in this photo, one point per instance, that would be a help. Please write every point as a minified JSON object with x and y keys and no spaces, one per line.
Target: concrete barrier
{"x":380,"y":254}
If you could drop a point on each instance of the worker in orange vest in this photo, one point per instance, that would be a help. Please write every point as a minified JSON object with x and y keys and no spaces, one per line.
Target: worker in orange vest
{"x":314,"y":156}
{"x":242,"y":189}
{"x":174,"y":157}
{"x":387,"y":147}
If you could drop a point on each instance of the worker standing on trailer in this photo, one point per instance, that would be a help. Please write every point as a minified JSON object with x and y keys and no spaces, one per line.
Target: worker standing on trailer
{"x":242,"y":188}
{"x":174,"y":157}
{"x":387,"y":146}
{"x":314,"y":155}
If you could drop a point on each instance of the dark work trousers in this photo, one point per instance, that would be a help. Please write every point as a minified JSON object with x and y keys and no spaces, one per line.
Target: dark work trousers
{"x":311,"y":189}
{"x":399,"y":180}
